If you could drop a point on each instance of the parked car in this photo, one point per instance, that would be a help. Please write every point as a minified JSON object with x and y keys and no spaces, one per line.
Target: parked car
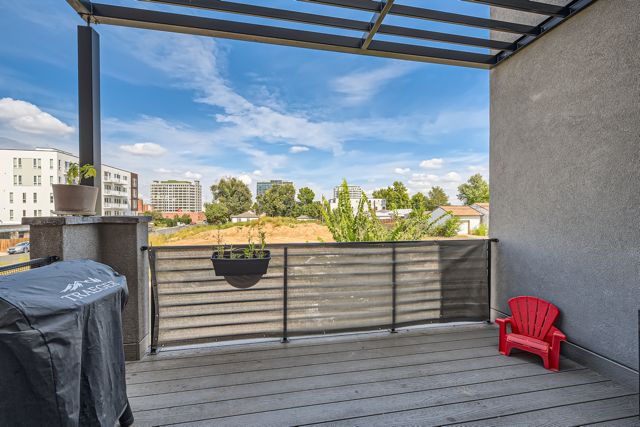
{"x":20,"y":248}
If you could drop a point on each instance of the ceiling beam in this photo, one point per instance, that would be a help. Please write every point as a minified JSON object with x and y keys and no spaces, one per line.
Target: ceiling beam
{"x":333,"y":22}
{"x":528,"y":6}
{"x":434,"y":15}
{"x":162,"y":21}
{"x":376,"y":21}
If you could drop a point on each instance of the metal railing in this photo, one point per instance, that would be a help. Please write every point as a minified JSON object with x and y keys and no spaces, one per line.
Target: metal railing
{"x":27,"y":265}
{"x":318,"y":288}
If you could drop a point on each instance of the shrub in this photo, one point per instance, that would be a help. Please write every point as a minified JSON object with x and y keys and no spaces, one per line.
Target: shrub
{"x":452,"y":225}
{"x":481,"y":230}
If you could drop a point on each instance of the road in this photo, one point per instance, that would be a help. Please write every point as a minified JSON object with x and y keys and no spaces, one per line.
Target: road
{"x":12,"y":259}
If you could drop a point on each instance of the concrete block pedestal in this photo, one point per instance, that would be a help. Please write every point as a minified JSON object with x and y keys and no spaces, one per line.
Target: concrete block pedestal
{"x":111,"y":240}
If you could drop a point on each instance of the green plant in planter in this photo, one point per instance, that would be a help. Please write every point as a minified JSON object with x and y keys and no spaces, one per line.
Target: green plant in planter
{"x":220,"y":250}
{"x":261,"y":253}
{"x":248,"y":252}
{"x":74,"y":172}
{"x":235,"y":256}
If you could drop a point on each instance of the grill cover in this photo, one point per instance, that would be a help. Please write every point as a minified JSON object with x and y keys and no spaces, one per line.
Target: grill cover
{"x":61,"y":350}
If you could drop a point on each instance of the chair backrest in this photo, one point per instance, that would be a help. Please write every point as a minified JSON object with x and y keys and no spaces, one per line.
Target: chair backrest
{"x":533,"y":316}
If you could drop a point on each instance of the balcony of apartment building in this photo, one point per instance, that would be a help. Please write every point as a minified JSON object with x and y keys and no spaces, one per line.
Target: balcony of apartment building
{"x":401,"y":333}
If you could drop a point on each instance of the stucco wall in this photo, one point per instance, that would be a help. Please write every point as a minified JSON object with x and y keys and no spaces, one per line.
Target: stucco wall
{"x":565,"y":175}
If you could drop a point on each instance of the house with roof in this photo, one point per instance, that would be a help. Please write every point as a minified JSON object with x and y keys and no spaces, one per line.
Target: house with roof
{"x":244,"y":217}
{"x":483,"y":208}
{"x":470,"y":217}
{"x":304,"y":218}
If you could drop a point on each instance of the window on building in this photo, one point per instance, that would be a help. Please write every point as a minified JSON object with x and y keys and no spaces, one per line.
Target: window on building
{"x":10,"y":197}
{"x":17,"y":163}
{"x":135,"y":194}
{"x":59,"y":164}
{"x":134,"y":182}
{"x":39,"y":212}
{"x":24,"y":197}
{"x":35,"y":180}
{"x":35,"y":212}
{"x":59,"y":180}
{"x":50,"y":163}
{"x":50,"y":180}
{"x":35,"y":197}
{"x":39,"y":181}
{"x":19,"y":179}
{"x":66,"y":165}
{"x":37,"y":163}
{"x":24,"y":212}
{"x":11,"y":215}
{"x":51,"y":198}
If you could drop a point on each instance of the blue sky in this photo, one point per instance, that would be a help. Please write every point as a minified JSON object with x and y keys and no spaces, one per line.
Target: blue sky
{"x":185,"y":107}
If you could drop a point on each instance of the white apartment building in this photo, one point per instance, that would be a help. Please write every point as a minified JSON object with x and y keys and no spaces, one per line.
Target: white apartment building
{"x":27,"y":176}
{"x":376,"y":204}
{"x":355,"y":191}
{"x":176,"y":196}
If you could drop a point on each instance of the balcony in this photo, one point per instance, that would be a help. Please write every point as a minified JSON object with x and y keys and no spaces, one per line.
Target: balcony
{"x":115,"y":206}
{"x":437,"y":376}
{"x":115,"y":193}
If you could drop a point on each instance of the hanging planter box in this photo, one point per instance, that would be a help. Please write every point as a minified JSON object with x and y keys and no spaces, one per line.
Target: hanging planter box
{"x":242,"y":272}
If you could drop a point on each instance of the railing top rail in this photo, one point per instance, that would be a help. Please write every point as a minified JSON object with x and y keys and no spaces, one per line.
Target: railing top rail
{"x":27,"y":265}
{"x":332,"y":244}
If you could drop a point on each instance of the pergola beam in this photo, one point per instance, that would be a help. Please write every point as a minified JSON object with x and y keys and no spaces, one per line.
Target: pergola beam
{"x":170,"y":22}
{"x":333,"y":22}
{"x":528,"y":6}
{"x":434,"y":15}
{"x":376,"y":22}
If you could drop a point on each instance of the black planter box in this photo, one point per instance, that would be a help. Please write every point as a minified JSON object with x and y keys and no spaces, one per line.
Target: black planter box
{"x":240,"y":266}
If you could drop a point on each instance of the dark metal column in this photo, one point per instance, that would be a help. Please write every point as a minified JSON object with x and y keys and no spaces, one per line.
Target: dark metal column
{"x":89,"y":106}
{"x":285,"y":302}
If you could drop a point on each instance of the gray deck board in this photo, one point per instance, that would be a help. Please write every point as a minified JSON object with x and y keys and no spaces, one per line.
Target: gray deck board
{"x":435,"y":376}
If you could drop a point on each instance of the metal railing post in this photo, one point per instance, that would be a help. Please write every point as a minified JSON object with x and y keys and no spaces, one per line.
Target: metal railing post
{"x":155,"y":309}
{"x":284,"y":339}
{"x":489,"y":279}
{"x":393,"y":281}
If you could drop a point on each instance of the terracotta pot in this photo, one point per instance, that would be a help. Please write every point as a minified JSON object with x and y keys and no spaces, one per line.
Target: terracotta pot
{"x":74,"y":198}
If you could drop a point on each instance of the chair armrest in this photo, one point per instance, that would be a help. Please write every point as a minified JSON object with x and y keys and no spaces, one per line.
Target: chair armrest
{"x":503,"y":333}
{"x":504,"y":322}
{"x":557,"y":338}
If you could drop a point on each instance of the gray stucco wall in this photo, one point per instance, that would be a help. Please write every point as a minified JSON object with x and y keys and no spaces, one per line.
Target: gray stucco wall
{"x":565,"y":175}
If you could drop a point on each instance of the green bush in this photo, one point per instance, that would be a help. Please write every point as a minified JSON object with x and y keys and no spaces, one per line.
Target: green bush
{"x":481,"y":230}
{"x":452,"y":225}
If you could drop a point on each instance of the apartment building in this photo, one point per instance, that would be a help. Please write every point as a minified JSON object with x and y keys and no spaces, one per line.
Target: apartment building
{"x":355,"y":192}
{"x":263,"y":186}
{"x":27,"y":176}
{"x":176,"y":196}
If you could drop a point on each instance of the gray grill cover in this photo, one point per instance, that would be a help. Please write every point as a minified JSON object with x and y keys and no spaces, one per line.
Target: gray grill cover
{"x":61,"y":351}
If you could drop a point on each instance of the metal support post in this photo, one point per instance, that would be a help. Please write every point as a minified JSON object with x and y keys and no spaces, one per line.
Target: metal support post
{"x":155,"y":314}
{"x":393,"y":279}
{"x":284,"y":339}
{"x":89,"y":106}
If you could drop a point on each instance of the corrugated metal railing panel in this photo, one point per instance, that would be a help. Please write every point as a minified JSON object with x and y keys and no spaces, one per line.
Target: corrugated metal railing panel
{"x":331,"y":288}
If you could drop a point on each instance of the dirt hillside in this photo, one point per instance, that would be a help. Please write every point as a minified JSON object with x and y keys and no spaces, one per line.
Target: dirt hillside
{"x":282,"y":234}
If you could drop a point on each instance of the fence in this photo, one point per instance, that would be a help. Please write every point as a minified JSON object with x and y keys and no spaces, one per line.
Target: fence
{"x":27,"y":265}
{"x":7,"y":243}
{"x":318,"y":288}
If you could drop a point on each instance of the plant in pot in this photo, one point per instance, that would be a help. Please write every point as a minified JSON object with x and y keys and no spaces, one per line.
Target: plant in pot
{"x":72,"y":198}
{"x":242,"y":268}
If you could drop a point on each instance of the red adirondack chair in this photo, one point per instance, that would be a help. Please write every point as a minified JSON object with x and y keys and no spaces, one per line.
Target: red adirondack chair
{"x":532,"y":330}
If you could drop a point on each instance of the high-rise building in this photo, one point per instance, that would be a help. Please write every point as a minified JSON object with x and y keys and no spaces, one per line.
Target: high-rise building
{"x":263,"y":186}
{"x":27,"y":176}
{"x":355,"y":192}
{"x":176,"y":196}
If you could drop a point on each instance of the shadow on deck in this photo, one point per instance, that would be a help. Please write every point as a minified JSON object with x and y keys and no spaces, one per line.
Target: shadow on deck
{"x":446,"y":375}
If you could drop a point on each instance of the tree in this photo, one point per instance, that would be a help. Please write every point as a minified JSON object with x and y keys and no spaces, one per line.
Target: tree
{"x":397,"y":197}
{"x":232,"y":194}
{"x":419,"y":201}
{"x":306,"y":196}
{"x":476,"y":190}
{"x":216,"y":213}
{"x":186,"y":219}
{"x":279,"y":200}
{"x":156,"y":215}
{"x":437,"y":197}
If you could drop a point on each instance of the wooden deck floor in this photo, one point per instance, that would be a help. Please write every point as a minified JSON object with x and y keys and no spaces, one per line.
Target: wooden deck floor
{"x":427,"y":377}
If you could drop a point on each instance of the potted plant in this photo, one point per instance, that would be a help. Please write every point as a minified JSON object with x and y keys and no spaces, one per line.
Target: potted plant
{"x":72,"y":198}
{"x":241,"y":268}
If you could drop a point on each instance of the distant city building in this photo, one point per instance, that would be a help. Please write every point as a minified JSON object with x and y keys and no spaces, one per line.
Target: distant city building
{"x":176,"y":196}
{"x":26,"y":184}
{"x":355,"y":192}
{"x":376,"y":204}
{"x":263,"y":186}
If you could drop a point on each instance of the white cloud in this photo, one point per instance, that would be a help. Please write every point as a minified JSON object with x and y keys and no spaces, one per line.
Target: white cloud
{"x":451,"y":177}
{"x":402,"y":171}
{"x":431,"y":164}
{"x":245,"y":178}
{"x":26,"y":117}
{"x":257,"y":173}
{"x":144,"y":149}
{"x":297,"y":149}
{"x":372,"y":180}
{"x":192,"y":175}
{"x":478,"y":169}
{"x":163,"y":170}
{"x":361,"y":86}
{"x":422,"y":181}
